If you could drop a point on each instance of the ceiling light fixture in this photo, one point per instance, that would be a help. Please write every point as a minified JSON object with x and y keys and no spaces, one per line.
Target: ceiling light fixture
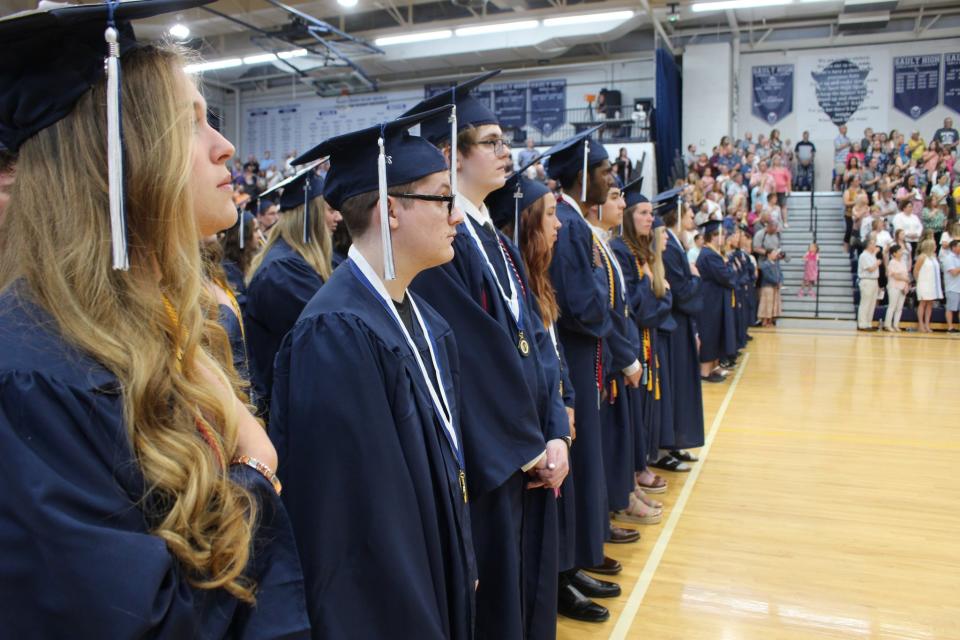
{"x":482,"y":29}
{"x":609,"y":16}
{"x":409,"y":38}
{"x":213,"y":65}
{"x":734,"y":5}
{"x":179,"y":31}
{"x":347,"y":3}
{"x":296,"y":53}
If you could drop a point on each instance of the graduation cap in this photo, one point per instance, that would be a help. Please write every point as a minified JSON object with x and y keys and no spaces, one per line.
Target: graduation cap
{"x":666,"y":201}
{"x":244,"y":220}
{"x":299,"y":189}
{"x":358,"y":164}
{"x":711,"y":226}
{"x":578,"y":153}
{"x":517,"y":193}
{"x":465,"y":111}
{"x":52,"y":56}
{"x":632,"y":193}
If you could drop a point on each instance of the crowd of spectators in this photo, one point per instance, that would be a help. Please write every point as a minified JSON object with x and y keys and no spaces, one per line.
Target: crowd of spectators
{"x":900,"y":196}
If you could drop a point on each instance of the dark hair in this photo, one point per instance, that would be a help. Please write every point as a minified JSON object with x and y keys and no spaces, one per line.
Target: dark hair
{"x":893,"y":248}
{"x":954,"y":244}
{"x":357,"y":211}
{"x":7,"y":160}
{"x":231,"y":246}
{"x":710,"y":235}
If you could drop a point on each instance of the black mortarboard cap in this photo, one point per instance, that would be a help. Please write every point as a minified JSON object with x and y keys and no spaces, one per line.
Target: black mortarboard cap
{"x":470,"y":111}
{"x":50,"y":57}
{"x":575,"y":154}
{"x":632,"y":192}
{"x":374,"y":159}
{"x":517,"y":193}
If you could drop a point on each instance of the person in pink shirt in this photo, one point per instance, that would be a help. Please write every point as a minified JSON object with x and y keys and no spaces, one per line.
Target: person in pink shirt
{"x":782,"y":181}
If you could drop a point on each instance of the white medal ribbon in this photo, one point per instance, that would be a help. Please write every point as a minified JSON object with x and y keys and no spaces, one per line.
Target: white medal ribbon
{"x":440,"y":403}
{"x":513,"y":300}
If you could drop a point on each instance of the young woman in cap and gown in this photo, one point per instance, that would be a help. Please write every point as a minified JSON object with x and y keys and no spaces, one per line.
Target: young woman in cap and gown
{"x":291,"y":267}
{"x":240,"y":244}
{"x":715,"y":321}
{"x":139,"y":494}
{"x":366,"y":407}
{"x":582,"y":168}
{"x":525,"y":210}
{"x":632,"y":249}
{"x":685,"y":431}
{"x":515,"y":424}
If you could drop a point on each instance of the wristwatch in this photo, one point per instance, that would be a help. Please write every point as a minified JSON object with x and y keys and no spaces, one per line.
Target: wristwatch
{"x":568,"y":440}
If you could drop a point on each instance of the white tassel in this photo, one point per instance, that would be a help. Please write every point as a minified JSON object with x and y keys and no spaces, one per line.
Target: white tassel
{"x":517,"y":196}
{"x":389,"y":269}
{"x":118,"y":227}
{"x":600,"y":213}
{"x":306,"y":211}
{"x":586,"y":155}
{"x":240,"y":211}
{"x":453,"y":150}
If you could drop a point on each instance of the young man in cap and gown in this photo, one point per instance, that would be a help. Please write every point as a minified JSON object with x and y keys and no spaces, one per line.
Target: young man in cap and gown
{"x":366,"y":407}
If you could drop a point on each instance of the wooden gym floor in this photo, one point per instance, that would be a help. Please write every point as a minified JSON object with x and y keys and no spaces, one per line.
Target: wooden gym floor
{"x":826,"y":503}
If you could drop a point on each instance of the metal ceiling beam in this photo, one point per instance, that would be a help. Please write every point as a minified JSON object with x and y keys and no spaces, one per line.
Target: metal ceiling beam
{"x":657,"y":26}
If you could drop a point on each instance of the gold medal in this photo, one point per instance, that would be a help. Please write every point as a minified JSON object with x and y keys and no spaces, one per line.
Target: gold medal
{"x":523,"y":345}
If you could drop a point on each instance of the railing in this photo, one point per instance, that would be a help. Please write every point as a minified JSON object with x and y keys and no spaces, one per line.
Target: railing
{"x":547,"y":129}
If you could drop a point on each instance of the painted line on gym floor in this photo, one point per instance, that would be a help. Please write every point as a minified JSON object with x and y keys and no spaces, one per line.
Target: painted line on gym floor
{"x":625,"y":620}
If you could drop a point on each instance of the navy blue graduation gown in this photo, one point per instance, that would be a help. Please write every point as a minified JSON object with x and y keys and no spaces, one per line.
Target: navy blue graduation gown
{"x":620,"y":350}
{"x":277,"y":293}
{"x":745,"y":277}
{"x":684,"y":363}
{"x":238,"y":349}
{"x":649,"y":313}
{"x":236,"y":281}
{"x":77,"y":559}
{"x":716,"y":318}
{"x":582,"y":296}
{"x":336,"y":259}
{"x":512,"y":408}
{"x":373,"y":482}
{"x":566,"y":514}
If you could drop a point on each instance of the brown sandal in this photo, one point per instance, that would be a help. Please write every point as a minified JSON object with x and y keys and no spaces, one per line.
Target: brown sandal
{"x":659,"y":485}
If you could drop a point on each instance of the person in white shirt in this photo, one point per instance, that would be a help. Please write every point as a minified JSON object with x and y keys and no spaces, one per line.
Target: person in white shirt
{"x":868,"y":272}
{"x":950,"y":261}
{"x":910,"y":223}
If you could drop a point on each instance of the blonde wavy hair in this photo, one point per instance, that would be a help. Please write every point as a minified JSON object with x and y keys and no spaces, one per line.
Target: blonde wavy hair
{"x":59,"y":215}
{"x":646,"y":250}
{"x":317,"y":252}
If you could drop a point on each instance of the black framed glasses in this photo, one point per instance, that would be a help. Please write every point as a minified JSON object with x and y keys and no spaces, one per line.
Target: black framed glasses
{"x":428,"y":197}
{"x":497,"y":145}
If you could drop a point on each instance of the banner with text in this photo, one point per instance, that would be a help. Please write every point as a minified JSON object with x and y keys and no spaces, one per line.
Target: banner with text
{"x":916,"y":84}
{"x":772,"y":92}
{"x":951,"y":81}
{"x":548,"y":105}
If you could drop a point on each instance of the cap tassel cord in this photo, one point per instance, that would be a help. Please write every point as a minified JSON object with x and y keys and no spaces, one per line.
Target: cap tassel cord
{"x":240,"y":211}
{"x":517,"y":196}
{"x":453,"y":150}
{"x":389,"y":269}
{"x":118,"y":223}
{"x":306,"y":211}
{"x":583,"y":186}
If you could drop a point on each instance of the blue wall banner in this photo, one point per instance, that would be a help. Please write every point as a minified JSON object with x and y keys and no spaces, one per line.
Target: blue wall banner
{"x":510,"y":104}
{"x":772,"y":92}
{"x":548,"y":105}
{"x":916,"y":84}
{"x":951,"y":81}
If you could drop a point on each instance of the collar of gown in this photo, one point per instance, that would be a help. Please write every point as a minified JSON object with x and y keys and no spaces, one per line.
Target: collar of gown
{"x":480,"y":214}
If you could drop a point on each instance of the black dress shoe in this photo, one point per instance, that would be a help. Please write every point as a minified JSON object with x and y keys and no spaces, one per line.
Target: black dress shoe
{"x":713,"y":377}
{"x":573,"y":604}
{"x":609,"y":567}
{"x":593,"y":588}
{"x":619,"y":535}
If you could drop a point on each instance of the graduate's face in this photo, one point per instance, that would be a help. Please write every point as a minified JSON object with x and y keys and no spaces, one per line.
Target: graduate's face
{"x":269,"y":217}
{"x":661,"y":239}
{"x":601,"y":181}
{"x":210,"y":182}
{"x":424,"y":231}
{"x":332,"y":217}
{"x":643,"y":218}
{"x":613,"y":208}
{"x":550,"y":222}
{"x":482,"y":169}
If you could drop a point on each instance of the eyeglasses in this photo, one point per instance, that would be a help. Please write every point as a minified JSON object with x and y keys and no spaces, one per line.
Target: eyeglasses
{"x":429,"y":198}
{"x":497,"y":145}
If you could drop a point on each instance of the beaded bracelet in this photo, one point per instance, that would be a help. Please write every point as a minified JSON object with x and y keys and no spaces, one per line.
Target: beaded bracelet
{"x":263,"y":469}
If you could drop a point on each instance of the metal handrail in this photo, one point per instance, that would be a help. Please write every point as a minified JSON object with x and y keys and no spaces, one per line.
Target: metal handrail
{"x":814,"y":223}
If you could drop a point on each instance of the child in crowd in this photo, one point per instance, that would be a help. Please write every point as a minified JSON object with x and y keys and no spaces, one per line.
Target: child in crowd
{"x":811,"y":271}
